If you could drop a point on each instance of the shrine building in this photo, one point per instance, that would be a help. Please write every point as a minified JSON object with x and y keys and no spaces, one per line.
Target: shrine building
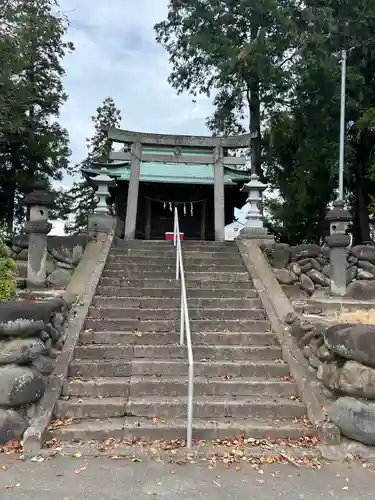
{"x":154,"y":173}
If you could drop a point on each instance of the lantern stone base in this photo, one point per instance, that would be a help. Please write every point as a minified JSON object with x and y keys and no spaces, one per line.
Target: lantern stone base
{"x":101,"y":223}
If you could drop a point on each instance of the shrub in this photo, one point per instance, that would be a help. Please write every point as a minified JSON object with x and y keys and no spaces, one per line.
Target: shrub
{"x":8,"y":280}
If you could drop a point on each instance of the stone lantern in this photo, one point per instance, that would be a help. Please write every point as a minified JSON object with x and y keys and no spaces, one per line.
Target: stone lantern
{"x":338,"y":242}
{"x":37,"y":227}
{"x":254,"y":227}
{"x":102,"y":221}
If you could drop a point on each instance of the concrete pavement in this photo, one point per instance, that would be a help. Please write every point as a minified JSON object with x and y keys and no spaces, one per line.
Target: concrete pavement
{"x":68,"y":478}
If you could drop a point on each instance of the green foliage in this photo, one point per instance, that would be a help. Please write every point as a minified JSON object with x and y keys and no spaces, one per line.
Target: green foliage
{"x":7,"y":272}
{"x":80,"y":201}
{"x":33,"y":145}
{"x":237,"y":52}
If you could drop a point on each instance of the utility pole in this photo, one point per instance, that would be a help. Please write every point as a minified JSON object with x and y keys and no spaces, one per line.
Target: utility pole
{"x":342,"y":126}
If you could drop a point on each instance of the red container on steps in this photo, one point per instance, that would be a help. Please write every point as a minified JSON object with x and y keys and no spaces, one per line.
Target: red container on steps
{"x":169,"y":236}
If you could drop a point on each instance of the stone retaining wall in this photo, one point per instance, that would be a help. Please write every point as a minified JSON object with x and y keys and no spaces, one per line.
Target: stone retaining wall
{"x":32,"y":334}
{"x":64,"y":254}
{"x":342,"y":356}
{"x":304,"y":270}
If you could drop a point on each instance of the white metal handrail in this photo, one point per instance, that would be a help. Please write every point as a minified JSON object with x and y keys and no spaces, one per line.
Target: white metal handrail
{"x":185,"y":333}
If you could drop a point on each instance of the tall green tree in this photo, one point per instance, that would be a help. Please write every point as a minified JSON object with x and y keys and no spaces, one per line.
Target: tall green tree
{"x":33,"y":145}
{"x":81,"y":198}
{"x":307,"y":174}
{"x":238,"y":52}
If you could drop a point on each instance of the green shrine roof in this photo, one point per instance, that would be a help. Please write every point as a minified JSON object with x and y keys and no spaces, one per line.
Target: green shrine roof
{"x":174,"y":173}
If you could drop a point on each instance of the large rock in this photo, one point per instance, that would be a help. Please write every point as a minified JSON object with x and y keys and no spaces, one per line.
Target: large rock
{"x":29,"y":310}
{"x":352,"y":341}
{"x":364,"y":252}
{"x":295,"y":268}
{"x":278,"y":254}
{"x":294,"y":291}
{"x":20,"y":386}
{"x":318,"y":278}
{"x":355,"y":418}
{"x":60,"y":277}
{"x":362,"y":274}
{"x":367,"y":266}
{"x":321,"y":293}
{"x":355,"y":379}
{"x":285,"y":277}
{"x":12,"y":425}
{"x":306,"y":250}
{"x":361,"y":290}
{"x":21,"y":351}
{"x":351,"y":274}
{"x":307,"y":284}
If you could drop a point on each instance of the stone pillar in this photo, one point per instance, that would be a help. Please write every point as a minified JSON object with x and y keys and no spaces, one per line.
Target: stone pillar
{"x":37,"y":227}
{"x":102,"y":221}
{"x":338,"y":241}
{"x":132,"y":205}
{"x":219,"y":196}
{"x":254,"y":227}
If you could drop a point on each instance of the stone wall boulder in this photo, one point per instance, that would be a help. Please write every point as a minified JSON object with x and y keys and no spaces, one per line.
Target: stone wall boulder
{"x":12,"y":425}
{"x":355,"y":418}
{"x":352,"y":379}
{"x":20,"y":386}
{"x":21,"y":351}
{"x":63,"y":255}
{"x":361,"y":290}
{"x":353,"y":342}
{"x":32,"y":334}
{"x":364,"y":252}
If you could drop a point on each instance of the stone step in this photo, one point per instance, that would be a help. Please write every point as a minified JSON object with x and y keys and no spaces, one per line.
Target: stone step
{"x":173,"y":290}
{"x":189,"y":259}
{"x":198,"y":338}
{"x":170,"y":368}
{"x":189,"y":245}
{"x":164,"y":253}
{"x":174,"y":314}
{"x":225,"y":277}
{"x":171,"y":303}
{"x":177,"y":386}
{"x":130,"y":428}
{"x":228,"y":353}
{"x":201,"y":325}
{"x":204,"y":407}
{"x":211,"y":368}
{"x":170,"y":267}
{"x":104,"y":368}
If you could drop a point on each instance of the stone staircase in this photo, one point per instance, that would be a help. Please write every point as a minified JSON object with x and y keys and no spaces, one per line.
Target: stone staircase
{"x":129,"y":376}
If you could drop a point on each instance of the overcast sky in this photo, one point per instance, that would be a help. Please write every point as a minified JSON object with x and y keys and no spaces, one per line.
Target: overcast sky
{"x":116,"y":55}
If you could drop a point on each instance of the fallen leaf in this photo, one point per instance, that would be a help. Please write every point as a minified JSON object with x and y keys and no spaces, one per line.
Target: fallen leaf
{"x":4,"y":467}
{"x":81,"y":469}
{"x":77,"y":454}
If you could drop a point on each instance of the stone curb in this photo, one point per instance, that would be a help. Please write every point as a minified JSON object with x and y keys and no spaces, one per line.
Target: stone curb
{"x":139,"y":451}
{"x":278,"y":307}
{"x":89,"y":272}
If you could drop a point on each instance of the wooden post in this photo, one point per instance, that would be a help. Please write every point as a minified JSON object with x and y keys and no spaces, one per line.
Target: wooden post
{"x":132,"y":205}
{"x":203,"y":221}
{"x":148,"y":220}
{"x":219,"y":195}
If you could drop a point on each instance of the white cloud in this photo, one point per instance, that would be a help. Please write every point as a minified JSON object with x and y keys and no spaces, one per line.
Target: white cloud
{"x":116,"y":54}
